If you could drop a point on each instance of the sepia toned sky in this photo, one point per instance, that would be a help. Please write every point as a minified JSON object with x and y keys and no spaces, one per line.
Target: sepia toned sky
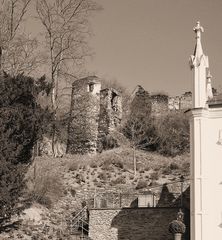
{"x":148,"y":42}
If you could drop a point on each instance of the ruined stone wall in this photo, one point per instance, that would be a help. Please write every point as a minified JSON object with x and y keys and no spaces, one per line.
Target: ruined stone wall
{"x":186,"y":101}
{"x":159,"y":105}
{"x":131,"y":223}
{"x":174,"y":103}
{"x":84,"y":115}
{"x":182,"y":102}
{"x":110,"y":110}
{"x":94,"y":113}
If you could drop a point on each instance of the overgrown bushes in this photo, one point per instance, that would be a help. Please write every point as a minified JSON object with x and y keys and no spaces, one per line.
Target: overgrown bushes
{"x":45,"y":184}
{"x":20,"y":126}
{"x":173,"y":134}
{"x":168,"y":134}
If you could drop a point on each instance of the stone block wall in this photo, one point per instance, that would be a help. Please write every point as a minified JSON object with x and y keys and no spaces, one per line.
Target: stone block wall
{"x":93,"y":114}
{"x":132,"y":223}
{"x":186,"y":101}
{"x":110,"y":110}
{"x":84,"y":115}
{"x":174,"y":103}
{"x":159,"y":104}
{"x":182,"y":102}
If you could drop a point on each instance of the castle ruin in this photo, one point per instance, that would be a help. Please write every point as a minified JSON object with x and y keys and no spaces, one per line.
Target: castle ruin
{"x":180,"y":102}
{"x":161,"y":103}
{"x":94,"y":114}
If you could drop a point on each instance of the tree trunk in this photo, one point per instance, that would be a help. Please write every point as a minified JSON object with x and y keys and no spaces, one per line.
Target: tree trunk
{"x":0,"y":59}
{"x":54,"y":107}
{"x":134,"y":162}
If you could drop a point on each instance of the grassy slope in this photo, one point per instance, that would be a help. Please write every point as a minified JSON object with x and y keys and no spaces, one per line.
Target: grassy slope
{"x":110,"y":169}
{"x":62,"y":184}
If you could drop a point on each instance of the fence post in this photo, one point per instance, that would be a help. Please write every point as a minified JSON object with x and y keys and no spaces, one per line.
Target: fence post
{"x":120,"y":200}
{"x":181,"y":199}
{"x":94,"y":199}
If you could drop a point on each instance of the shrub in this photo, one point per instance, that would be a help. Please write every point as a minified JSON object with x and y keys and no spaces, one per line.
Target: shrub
{"x":169,"y":134}
{"x":73,"y":166}
{"x":147,"y":168}
{"x":20,"y":125}
{"x":46,"y":187}
{"x":154,"y":175}
{"x":118,"y":180}
{"x":93,"y":165}
{"x":131,"y":177}
{"x":80,"y":178}
{"x":174,"y":166}
{"x":141,"y":184}
{"x":177,"y":226}
{"x":102,"y":176}
{"x":73,"y":192}
{"x":118,"y":163}
{"x":173,"y":132}
{"x":166,"y":170}
{"x":108,"y":142}
{"x":98,"y":184}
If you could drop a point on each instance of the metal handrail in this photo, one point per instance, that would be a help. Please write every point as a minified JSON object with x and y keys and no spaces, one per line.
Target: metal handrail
{"x":79,"y":220}
{"x":83,"y":209}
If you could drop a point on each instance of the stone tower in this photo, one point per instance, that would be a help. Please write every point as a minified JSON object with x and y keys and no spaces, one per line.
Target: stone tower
{"x":94,"y":114}
{"x":84,"y":116}
{"x":206,"y":150}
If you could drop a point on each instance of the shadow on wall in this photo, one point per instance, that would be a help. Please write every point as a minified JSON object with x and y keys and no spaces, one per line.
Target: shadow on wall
{"x":146,"y":223}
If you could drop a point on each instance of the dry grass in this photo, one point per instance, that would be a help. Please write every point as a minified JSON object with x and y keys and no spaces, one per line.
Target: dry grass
{"x":44,"y":181}
{"x":48,"y":176}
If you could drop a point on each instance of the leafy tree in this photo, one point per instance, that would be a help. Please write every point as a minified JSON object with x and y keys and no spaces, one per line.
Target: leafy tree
{"x":173,"y":132}
{"x":168,"y":134}
{"x":20,"y":126}
{"x":139,"y":123}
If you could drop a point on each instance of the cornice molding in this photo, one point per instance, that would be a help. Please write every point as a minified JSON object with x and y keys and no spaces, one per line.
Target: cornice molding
{"x":210,"y":113}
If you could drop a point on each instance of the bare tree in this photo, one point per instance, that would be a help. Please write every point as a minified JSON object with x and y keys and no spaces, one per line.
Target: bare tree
{"x":17,"y":50}
{"x":139,"y":124}
{"x":67,"y":29}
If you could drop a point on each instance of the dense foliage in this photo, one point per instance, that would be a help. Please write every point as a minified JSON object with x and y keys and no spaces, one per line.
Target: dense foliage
{"x":173,"y":134}
{"x":21,"y":121}
{"x":167,"y":134}
{"x":139,"y":124}
{"x":177,"y":226}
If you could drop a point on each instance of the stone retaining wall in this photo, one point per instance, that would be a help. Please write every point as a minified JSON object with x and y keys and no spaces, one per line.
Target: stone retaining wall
{"x":132,"y":223}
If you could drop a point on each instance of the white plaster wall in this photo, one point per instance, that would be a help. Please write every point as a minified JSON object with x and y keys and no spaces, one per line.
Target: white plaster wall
{"x":206,"y":172}
{"x":212,"y":187}
{"x":199,"y":85}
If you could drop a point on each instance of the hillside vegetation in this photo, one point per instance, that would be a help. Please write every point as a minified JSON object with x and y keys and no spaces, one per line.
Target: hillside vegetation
{"x":151,"y":151}
{"x":51,"y":179}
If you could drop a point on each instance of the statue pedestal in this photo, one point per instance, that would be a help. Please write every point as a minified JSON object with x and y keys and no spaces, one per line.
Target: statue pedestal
{"x":177,"y":236}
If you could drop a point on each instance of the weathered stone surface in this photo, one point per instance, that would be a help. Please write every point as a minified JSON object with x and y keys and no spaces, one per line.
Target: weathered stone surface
{"x":83,"y":128}
{"x":131,"y":223}
{"x":94,"y":113}
{"x":159,"y":104}
{"x":155,"y":104}
{"x":182,"y":102}
{"x":110,"y":110}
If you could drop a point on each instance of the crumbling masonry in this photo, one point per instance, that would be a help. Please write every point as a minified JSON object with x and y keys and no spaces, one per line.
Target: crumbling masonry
{"x":94,"y":114}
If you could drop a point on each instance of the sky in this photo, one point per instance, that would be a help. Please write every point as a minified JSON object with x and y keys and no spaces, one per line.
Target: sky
{"x":149,"y":42}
